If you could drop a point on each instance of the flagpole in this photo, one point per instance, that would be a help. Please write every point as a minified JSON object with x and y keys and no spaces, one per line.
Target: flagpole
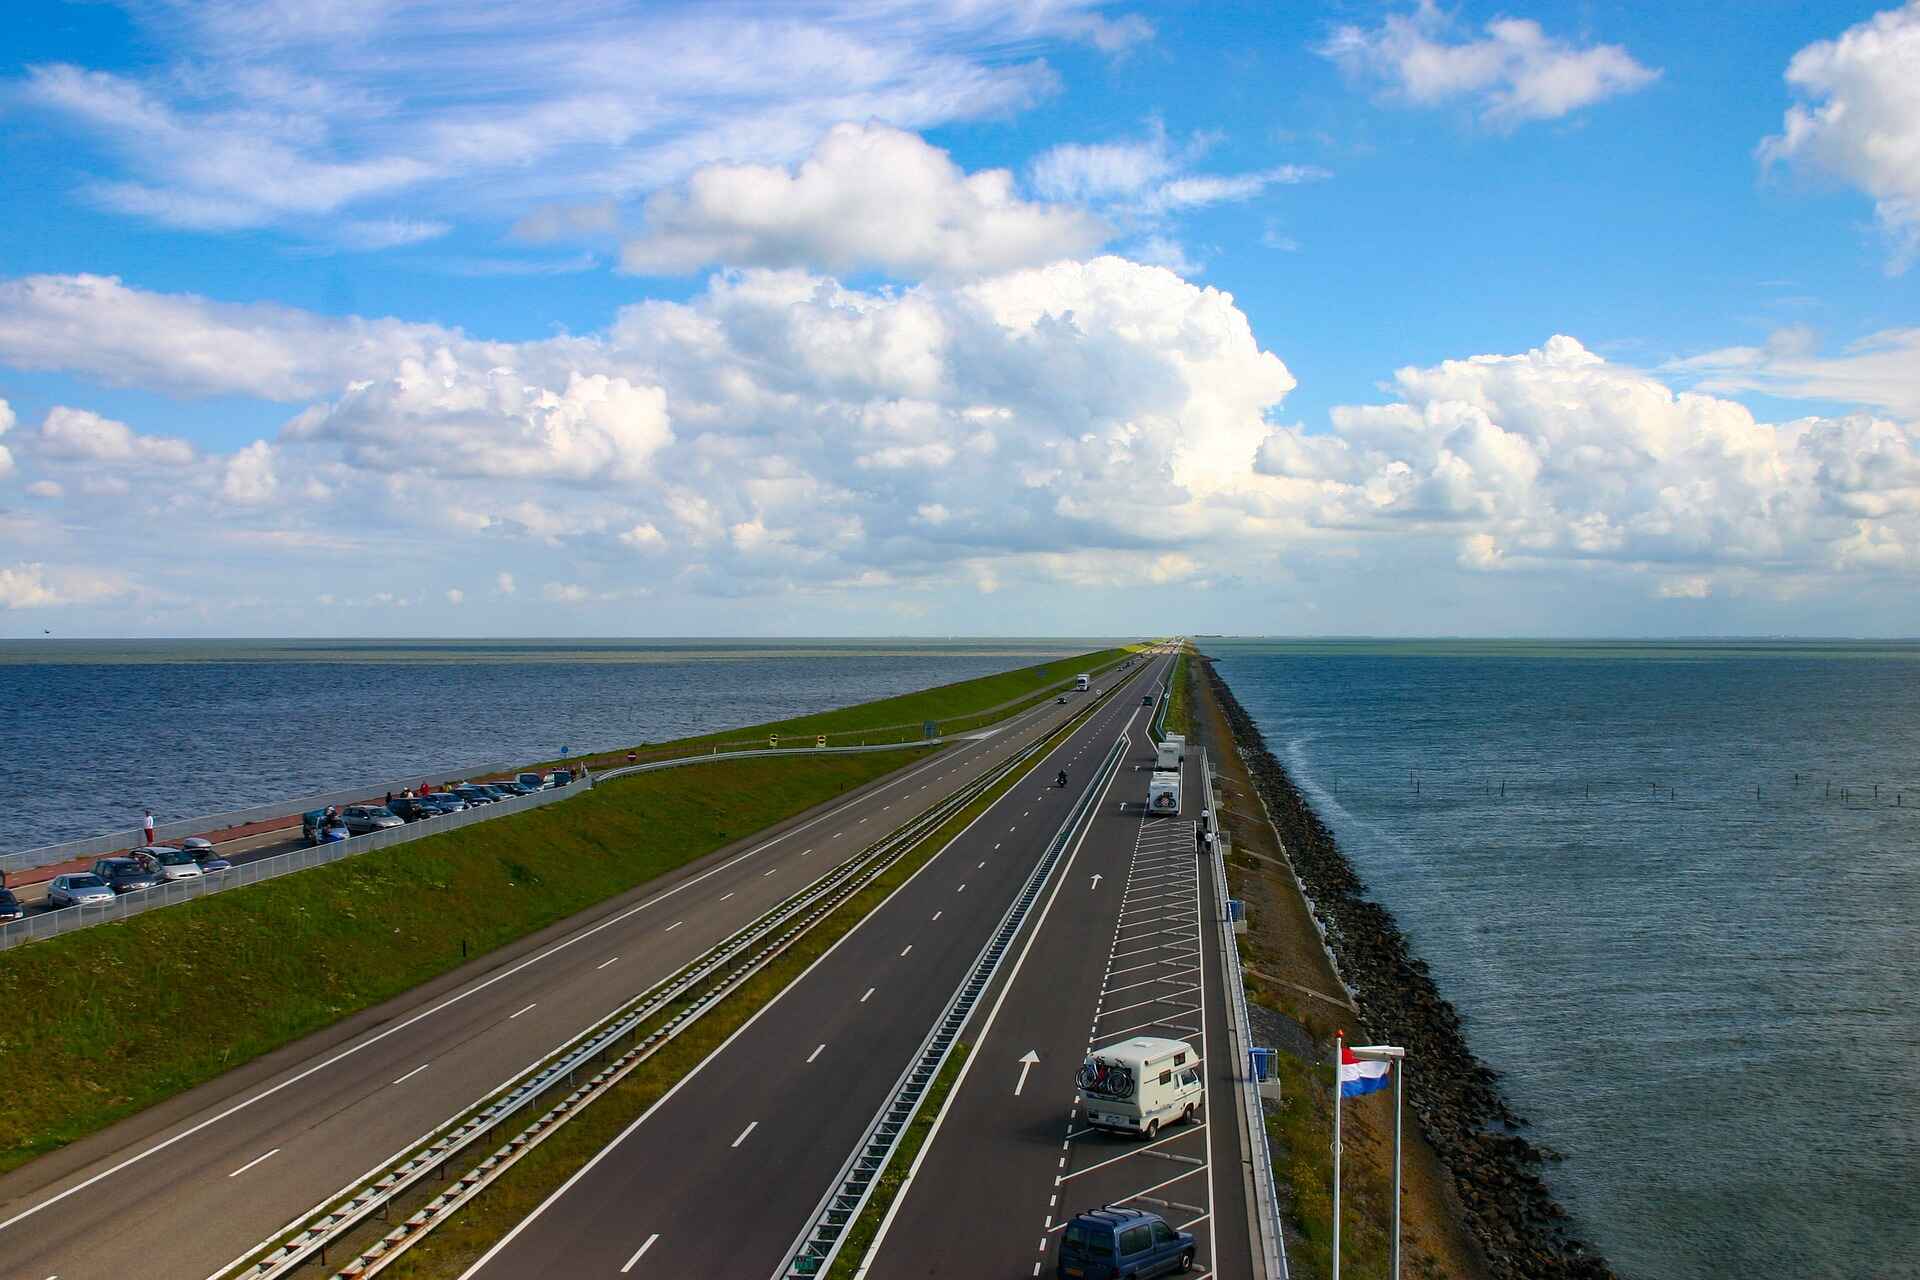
{"x":1338,"y":1058}
{"x":1399,"y":1066}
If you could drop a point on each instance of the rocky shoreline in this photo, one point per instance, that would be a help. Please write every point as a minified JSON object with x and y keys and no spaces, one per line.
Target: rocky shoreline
{"x":1456,"y":1096}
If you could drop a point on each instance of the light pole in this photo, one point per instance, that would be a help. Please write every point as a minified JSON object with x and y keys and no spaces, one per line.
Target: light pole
{"x":1397,"y":1058}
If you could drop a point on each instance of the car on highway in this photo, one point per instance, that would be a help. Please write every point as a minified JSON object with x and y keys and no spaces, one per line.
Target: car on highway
{"x":201,"y":850}
{"x":78,"y":889}
{"x":10,"y":908}
{"x":1146,"y":700}
{"x":124,"y":875}
{"x":1108,"y":1244}
{"x":362,"y":818}
{"x":1061,"y":701}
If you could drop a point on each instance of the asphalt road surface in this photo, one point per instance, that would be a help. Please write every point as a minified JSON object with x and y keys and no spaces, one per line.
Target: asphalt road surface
{"x":191,"y":1184}
{"x":720,"y":1176}
{"x":1014,"y":1159}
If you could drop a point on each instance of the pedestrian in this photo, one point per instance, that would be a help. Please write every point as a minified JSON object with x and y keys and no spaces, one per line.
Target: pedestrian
{"x":389,"y":797}
{"x":146,"y":827}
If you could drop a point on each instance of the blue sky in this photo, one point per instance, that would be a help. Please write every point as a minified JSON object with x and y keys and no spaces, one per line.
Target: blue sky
{"x":718,"y":319}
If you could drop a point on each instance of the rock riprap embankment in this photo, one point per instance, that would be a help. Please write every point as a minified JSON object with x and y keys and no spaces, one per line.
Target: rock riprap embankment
{"x":1455,"y":1095}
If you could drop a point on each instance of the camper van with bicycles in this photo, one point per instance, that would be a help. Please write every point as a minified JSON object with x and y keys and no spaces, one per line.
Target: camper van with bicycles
{"x":1142,"y":1083}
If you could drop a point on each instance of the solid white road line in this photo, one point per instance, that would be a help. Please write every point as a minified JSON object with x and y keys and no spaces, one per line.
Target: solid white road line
{"x":744,"y":1132}
{"x":411,"y":1074}
{"x":640,"y":1253}
{"x":249,"y":1164}
{"x":512,"y":1016}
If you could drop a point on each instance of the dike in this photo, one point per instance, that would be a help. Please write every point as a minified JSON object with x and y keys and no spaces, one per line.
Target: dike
{"x":1454,"y":1095}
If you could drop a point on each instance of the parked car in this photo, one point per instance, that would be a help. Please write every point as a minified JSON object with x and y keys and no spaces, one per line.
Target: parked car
{"x":10,"y":908}
{"x":559,"y":778}
{"x":202,"y":851}
{"x":411,"y":808}
{"x":474,"y":795}
{"x":362,"y":818}
{"x":1106,"y":1244}
{"x":321,"y":827}
{"x":170,"y":863}
{"x":124,"y":875}
{"x":513,"y":788}
{"x":443,"y":802}
{"x":79,"y":889}
{"x":533,"y":781}
{"x":498,"y":790}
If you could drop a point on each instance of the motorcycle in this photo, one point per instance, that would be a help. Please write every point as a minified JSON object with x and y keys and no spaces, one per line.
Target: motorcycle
{"x":1063,"y":778}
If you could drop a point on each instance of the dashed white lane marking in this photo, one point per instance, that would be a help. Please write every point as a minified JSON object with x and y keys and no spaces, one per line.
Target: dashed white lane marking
{"x":640,"y":1253}
{"x":816,"y":1053}
{"x":411,"y":1074}
{"x":869,"y":995}
{"x":936,"y":915}
{"x":725,"y":896}
{"x":982,"y":865}
{"x":744,"y":1132}
{"x":249,"y":1164}
{"x":604,"y":964}
{"x":769,"y":871}
{"x":961,"y":889}
{"x":805,"y":852}
{"x":905,"y":949}
{"x":675,"y":925}
{"x":512,"y":1016}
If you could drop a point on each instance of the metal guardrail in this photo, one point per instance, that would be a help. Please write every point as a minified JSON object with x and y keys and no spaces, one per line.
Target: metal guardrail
{"x":48,"y":924}
{"x":819,"y":1242}
{"x":1268,"y":1234}
{"x":163,"y":832}
{"x":373,"y":1192}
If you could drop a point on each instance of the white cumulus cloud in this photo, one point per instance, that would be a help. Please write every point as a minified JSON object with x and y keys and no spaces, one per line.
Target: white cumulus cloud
{"x":33,"y":585}
{"x":85,"y":436}
{"x":1860,"y":121}
{"x":867,"y":196}
{"x":1514,"y":72}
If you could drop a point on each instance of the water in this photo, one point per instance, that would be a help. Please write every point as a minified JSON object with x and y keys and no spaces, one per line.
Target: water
{"x":91,"y":732}
{"x":1708,"y":1000}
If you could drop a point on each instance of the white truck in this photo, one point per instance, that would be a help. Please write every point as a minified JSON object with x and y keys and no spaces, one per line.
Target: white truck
{"x":1082,"y":682}
{"x":1163,"y":794}
{"x":1137,"y":1085}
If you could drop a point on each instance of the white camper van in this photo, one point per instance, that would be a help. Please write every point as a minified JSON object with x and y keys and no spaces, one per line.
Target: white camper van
{"x":1138,"y":1085}
{"x":1168,"y":755}
{"x":1179,"y":741}
{"x":1082,"y":682}
{"x":1163,"y":794}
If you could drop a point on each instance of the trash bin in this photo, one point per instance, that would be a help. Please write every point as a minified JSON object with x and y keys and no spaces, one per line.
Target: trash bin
{"x":1261,"y":1062}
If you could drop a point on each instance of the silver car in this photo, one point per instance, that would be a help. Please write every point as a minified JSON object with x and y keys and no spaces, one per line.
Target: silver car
{"x":80,"y":889}
{"x":362,"y":818}
{"x":169,"y":863}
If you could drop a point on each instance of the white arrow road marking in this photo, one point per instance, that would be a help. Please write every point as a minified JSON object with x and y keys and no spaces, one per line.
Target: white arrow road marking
{"x":640,"y":1253}
{"x":1026,"y":1065}
{"x":1096,"y":881}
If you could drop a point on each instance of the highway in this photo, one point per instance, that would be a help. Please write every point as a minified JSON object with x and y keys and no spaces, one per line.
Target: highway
{"x":191,"y":1184}
{"x":721,"y":1175}
{"x":1013,"y":1158}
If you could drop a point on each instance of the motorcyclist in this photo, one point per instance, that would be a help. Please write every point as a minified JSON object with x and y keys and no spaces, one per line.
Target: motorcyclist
{"x":1063,"y":778}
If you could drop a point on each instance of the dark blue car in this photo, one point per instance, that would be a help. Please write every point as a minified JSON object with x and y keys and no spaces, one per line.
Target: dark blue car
{"x":1119,"y":1244}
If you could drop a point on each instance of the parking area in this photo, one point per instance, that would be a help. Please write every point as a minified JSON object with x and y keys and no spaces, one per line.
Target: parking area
{"x":1154,"y":985}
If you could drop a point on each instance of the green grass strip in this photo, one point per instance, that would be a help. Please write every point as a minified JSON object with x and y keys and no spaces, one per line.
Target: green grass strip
{"x":1177,"y":697}
{"x":894,"y":1176}
{"x":456,"y":1245}
{"x":106,"y":1021}
{"x":954,"y":708}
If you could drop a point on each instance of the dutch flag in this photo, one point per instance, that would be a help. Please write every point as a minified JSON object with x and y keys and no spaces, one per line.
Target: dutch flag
{"x":1361,"y":1075}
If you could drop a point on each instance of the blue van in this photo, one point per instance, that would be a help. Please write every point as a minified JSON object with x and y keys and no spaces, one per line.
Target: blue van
{"x":1118,"y":1244}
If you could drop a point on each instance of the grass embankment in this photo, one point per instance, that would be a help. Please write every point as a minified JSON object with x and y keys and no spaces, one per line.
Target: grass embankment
{"x":954,"y":708}
{"x":105,"y":1021}
{"x":865,"y":1227}
{"x":1178,"y":698}
{"x":451,"y":1249}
